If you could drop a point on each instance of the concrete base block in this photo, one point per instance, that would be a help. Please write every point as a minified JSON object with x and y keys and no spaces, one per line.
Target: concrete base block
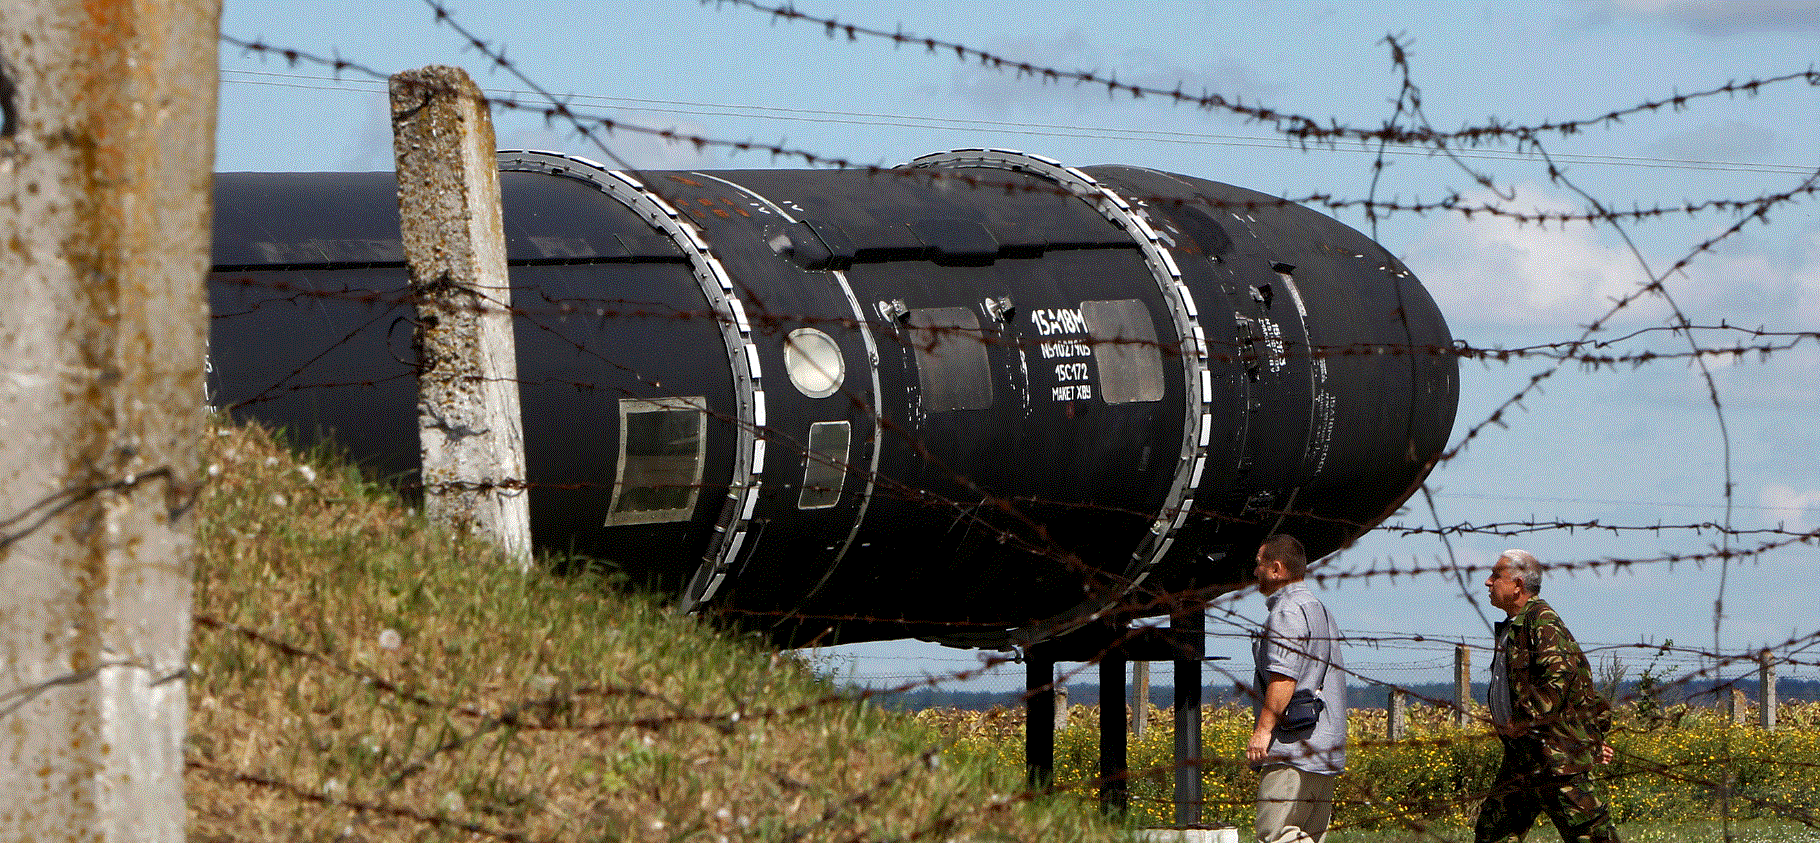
{"x":1223,"y":834}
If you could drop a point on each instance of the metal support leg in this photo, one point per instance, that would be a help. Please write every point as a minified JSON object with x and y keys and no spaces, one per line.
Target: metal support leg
{"x":1190,"y":627}
{"x":1114,"y":764}
{"x":1039,"y":720}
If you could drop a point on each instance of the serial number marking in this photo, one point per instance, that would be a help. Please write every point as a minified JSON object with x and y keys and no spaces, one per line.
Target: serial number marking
{"x":1058,"y":320}
{"x":1069,"y":341}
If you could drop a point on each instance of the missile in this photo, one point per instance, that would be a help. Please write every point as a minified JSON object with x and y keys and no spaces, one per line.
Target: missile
{"x":980,"y":398}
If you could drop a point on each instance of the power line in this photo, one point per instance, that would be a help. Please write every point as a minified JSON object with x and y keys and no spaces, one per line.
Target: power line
{"x":1060,"y":130}
{"x":1680,"y":504}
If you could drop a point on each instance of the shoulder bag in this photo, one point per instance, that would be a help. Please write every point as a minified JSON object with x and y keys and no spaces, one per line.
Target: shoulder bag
{"x":1305,"y":707}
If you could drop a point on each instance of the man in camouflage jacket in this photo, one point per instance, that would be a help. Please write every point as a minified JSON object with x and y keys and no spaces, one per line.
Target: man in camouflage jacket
{"x":1549,"y":715}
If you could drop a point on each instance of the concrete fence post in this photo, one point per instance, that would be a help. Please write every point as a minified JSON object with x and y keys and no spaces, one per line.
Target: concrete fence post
{"x":1140,"y":698}
{"x":1396,"y":715}
{"x":1740,"y":708}
{"x":1462,"y":684}
{"x":1766,"y":682}
{"x":106,"y":153}
{"x":469,"y":425}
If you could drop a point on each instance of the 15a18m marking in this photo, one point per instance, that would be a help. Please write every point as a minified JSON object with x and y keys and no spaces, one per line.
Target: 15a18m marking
{"x":1071,"y":345}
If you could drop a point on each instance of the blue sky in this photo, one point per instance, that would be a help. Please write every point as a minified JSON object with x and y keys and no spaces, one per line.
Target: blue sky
{"x":1626,"y":445}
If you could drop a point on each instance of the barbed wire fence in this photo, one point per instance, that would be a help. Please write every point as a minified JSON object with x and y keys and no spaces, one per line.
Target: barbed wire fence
{"x":1391,"y":660}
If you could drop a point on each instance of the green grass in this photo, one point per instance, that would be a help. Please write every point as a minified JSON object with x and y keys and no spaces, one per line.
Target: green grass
{"x":359,"y":676}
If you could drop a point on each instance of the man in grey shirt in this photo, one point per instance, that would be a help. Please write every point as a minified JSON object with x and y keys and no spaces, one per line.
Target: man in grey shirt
{"x":1298,"y":648}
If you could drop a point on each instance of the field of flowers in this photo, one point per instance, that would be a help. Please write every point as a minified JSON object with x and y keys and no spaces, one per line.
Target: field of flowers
{"x":1685,"y":765}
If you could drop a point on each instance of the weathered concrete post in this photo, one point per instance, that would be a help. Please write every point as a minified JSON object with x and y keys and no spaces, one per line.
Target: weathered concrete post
{"x":1766,"y":683}
{"x":469,"y":425}
{"x":1462,"y":685}
{"x":107,"y":138}
{"x":1140,"y":698}
{"x":1396,"y":715}
{"x":1740,"y":707}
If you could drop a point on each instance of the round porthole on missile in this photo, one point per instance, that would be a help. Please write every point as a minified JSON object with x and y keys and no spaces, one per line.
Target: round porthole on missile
{"x":813,"y":361}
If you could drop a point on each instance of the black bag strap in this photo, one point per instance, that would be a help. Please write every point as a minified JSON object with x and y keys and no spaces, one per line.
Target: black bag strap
{"x":1327,"y":658}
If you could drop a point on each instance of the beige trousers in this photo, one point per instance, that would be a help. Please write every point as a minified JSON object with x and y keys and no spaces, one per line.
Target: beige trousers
{"x":1293,"y":805}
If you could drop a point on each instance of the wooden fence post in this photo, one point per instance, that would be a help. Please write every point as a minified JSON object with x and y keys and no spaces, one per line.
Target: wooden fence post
{"x":106,"y":149}
{"x":1462,"y":684}
{"x":469,"y":425}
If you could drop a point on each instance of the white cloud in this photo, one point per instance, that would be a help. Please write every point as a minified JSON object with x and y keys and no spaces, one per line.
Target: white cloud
{"x":1719,"y":18}
{"x":1765,"y":278}
{"x":1494,"y":270}
{"x":1806,"y":278}
{"x":1793,"y":508}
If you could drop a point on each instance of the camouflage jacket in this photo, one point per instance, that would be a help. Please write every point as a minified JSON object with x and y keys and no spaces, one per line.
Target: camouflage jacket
{"x":1554,"y":702}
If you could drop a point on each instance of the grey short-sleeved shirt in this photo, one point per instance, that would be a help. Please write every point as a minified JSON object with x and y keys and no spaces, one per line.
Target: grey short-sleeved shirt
{"x":1299,"y":637}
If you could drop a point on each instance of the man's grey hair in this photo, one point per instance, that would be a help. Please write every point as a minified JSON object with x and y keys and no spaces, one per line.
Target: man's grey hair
{"x":1527,"y":568}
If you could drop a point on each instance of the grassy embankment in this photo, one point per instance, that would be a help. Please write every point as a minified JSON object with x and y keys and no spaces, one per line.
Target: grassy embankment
{"x":361,"y":677}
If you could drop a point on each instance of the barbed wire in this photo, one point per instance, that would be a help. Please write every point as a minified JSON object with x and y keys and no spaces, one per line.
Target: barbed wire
{"x":1654,"y":287}
{"x":303,"y":793}
{"x":867,"y":118}
{"x":1018,"y":504}
{"x":1587,"y":350}
{"x":586,"y":126}
{"x":744,"y":717}
{"x":1295,"y":126}
{"x":18,"y":525}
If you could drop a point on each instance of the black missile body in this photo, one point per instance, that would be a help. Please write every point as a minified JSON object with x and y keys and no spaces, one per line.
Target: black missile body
{"x":981,"y":398}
